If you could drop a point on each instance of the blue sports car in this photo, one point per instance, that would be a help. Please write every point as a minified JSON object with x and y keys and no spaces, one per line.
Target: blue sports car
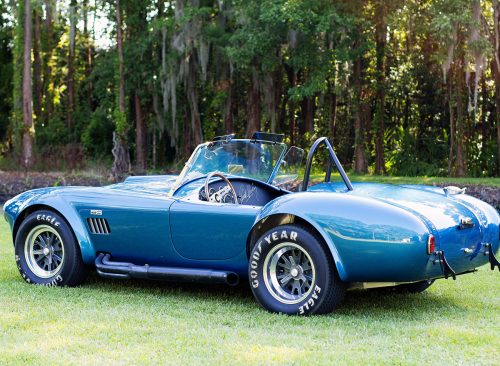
{"x":246,"y":209}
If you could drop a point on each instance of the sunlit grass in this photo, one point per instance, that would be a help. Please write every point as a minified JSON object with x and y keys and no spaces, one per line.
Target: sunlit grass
{"x":112,"y":322}
{"x":495,"y":182}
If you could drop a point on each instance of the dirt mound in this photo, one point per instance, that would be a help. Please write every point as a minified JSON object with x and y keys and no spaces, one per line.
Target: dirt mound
{"x":484,"y":193}
{"x":13,"y":183}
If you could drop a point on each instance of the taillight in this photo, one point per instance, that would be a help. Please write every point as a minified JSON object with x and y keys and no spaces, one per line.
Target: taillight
{"x":431,"y":244}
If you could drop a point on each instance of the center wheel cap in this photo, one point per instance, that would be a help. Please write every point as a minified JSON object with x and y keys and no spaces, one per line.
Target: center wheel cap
{"x":294,"y":272}
{"x":46,"y":251}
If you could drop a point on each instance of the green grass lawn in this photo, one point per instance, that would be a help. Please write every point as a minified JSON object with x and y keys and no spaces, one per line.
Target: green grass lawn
{"x":112,"y":322}
{"x":493,"y":182}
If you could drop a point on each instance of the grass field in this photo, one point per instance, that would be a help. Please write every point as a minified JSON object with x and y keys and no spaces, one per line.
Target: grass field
{"x":493,"y":182}
{"x":111,"y":322}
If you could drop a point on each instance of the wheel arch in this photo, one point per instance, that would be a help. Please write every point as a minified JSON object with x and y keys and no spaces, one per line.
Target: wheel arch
{"x":72,"y":220}
{"x":273,"y":220}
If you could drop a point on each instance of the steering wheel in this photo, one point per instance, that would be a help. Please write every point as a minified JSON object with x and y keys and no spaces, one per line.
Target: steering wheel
{"x":221,"y":193}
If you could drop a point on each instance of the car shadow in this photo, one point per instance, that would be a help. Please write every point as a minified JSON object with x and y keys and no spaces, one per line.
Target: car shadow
{"x":358,"y":303}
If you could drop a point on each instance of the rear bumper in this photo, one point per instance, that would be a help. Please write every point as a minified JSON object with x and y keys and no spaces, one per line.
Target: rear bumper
{"x":463,"y":261}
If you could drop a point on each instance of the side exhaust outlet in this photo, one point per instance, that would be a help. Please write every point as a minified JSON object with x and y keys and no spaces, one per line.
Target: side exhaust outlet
{"x":123,"y":270}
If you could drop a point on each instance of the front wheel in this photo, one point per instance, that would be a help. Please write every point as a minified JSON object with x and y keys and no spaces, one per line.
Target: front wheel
{"x":47,"y":252}
{"x":292,"y":272}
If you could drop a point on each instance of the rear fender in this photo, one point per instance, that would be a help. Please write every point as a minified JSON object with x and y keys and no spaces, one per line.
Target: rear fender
{"x":359,"y":233}
{"x":264,"y":223}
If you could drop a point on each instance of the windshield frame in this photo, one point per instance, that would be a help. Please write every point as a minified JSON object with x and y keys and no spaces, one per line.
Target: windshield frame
{"x":179,"y":183}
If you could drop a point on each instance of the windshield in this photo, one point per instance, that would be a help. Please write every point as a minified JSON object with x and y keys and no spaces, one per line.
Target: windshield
{"x":243,"y":158}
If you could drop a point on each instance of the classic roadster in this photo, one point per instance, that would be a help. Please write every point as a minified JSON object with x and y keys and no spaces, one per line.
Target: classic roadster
{"x":247,"y":209}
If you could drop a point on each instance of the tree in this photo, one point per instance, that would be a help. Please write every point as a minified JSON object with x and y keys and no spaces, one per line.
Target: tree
{"x":121,"y":163}
{"x":71,"y":64}
{"x":29,"y":129}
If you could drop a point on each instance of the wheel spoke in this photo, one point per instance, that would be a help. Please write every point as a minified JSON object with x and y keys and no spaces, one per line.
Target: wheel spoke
{"x":285,"y":265}
{"x":38,"y":252}
{"x":306,"y":266}
{"x":292,"y":261}
{"x":42,"y":241}
{"x":286,"y":279}
{"x":50,"y":262}
{"x":306,"y":277}
{"x":296,"y":287}
{"x":40,"y":258}
{"x":57,"y":258}
{"x":299,"y":257}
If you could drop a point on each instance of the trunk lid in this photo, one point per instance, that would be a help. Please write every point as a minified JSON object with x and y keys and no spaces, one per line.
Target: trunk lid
{"x":442,"y":213}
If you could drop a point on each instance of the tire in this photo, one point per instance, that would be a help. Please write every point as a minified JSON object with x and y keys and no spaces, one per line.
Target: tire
{"x":47,"y":252}
{"x":413,"y":288}
{"x":296,"y":256}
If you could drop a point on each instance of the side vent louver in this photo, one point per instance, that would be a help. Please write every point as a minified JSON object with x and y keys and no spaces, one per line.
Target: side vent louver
{"x":98,"y":226}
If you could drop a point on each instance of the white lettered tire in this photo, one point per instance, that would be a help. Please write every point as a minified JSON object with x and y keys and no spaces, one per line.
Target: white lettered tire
{"x":292,"y":272}
{"x":47,"y":252}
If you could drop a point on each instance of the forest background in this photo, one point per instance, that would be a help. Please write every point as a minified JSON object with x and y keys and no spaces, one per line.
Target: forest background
{"x":400,"y":87}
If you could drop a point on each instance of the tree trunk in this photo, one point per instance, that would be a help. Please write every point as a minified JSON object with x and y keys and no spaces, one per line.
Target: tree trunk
{"x":253,"y":103}
{"x":140,"y":136}
{"x":380,"y":50}
{"x":37,"y":65}
{"x":89,"y":52}
{"x":292,"y":80}
{"x":71,"y":65}
{"x":47,"y":69}
{"x":495,"y":66}
{"x":192,"y":96}
{"x":307,"y":109}
{"x":449,"y":96}
{"x":496,"y":74}
{"x":121,"y":163}
{"x":484,"y":121}
{"x":360,"y":164}
{"x":451,"y":156}
{"x":333,"y":117}
{"x":28,"y":130}
{"x":461,"y":140}
{"x":228,"y":111}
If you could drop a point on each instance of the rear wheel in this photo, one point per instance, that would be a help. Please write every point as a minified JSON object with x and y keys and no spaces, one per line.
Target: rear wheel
{"x":47,"y":252}
{"x":291,"y":272}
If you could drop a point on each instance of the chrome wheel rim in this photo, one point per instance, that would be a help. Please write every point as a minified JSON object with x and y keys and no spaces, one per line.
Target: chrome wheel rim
{"x":289,"y":273}
{"x":44,"y":251}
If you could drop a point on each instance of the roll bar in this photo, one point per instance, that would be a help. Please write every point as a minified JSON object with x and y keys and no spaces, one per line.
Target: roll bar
{"x":333,"y":158}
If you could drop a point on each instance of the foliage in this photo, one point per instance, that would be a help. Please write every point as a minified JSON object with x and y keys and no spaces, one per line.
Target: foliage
{"x":413,"y":81}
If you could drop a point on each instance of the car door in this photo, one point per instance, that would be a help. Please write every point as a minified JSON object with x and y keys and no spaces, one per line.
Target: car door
{"x":210,"y":231}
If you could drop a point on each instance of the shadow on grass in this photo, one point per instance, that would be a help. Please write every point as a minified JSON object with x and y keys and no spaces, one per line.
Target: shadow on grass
{"x":358,"y":303}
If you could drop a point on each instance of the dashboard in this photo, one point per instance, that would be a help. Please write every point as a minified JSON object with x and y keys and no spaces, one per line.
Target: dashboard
{"x":249,"y":192}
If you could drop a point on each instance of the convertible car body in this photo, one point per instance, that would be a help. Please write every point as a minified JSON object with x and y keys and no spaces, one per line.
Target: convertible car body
{"x":246,"y":209}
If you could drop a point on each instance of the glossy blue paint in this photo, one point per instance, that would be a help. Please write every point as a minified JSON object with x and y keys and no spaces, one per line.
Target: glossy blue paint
{"x":207,"y":231}
{"x":376,"y":232}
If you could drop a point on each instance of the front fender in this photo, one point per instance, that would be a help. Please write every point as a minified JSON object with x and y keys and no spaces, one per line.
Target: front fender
{"x":369,"y":240}
{"x":47,"y":198}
